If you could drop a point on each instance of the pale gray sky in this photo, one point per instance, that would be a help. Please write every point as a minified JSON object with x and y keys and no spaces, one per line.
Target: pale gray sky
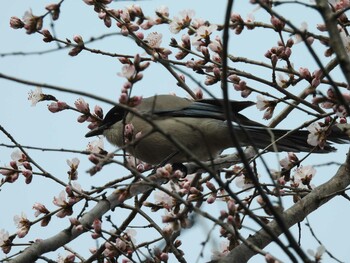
{"x":36,"y":126}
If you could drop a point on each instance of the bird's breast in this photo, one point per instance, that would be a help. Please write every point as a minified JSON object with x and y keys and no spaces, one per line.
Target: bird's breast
{"x":180,"y":139}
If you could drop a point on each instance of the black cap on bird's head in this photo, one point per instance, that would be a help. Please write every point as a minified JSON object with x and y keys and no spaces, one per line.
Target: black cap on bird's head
{"x":116,"y":114}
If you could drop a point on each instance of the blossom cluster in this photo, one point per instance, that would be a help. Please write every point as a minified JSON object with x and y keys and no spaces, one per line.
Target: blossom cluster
{"x":20,"y":164}
{"x":200,"y":49}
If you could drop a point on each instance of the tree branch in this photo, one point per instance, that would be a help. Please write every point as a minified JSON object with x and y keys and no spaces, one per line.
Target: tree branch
{"x":295,"y":214}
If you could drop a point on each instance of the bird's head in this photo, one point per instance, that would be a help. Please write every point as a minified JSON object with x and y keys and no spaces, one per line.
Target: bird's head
{"x":115,"y":115}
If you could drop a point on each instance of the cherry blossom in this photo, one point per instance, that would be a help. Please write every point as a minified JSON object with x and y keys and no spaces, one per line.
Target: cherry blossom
{"x":10,"y":172}
{"x":23,"y":225}
{"x":163,"y":199}
{"x":36,"y":96}
{"x":181,"y":22}
{"x":289,"y":161}
{"x":303,"y":175}
{"x":62,"y":202}
{"x":163,"y":10}
{"x":95,"y":146}
{"x":40,"y":209}
{"x":128,"y":72}
{"x":19,"y":157}
{"x":5,"y":241}
{"x":57,"y":106}
{"x":32,"y":23}
{"x":303,"y":28}
{"x":267,"y":105}
{"x":318,"y":254}
{"x":154,"y":39}
{"x":82,"y":105}
{"x":220,"y":252}
{"x":317,"y":134}
{"x":243,"y":182}
{"x":69,"y":258}
{"x":73,"y":164}
{"x":203,"y":34}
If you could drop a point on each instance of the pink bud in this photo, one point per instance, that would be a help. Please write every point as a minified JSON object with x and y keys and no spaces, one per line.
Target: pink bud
{"x":124,"y":60}
{"x":98,"y":111}
{"x":123,"y":98}
{"x":95,"y":235}
{"x":234,"y":78}
{"x":194,"y":190}
{"x":186,"y":41}
{"x":82,"y":118}
{"x":144,"y":65}
{"x":216,"y":58}
{"x":78,"y":39}
{"x":330,"y":93}
{"x":164,"y":257}
{"x":75,"y":51}
{"x":211,"y":199}
{"x":310,"y":40}
{"x":82,"y":105}
{"x":198,"y":93}
{"x":305,"y":73}
{"x":290,"y":42}
{"x":182,"y":77}
{"x":89,"y":2}
{"x":217,"y":72}
{"x":322,"y":27}
{"x":287,"y":52}
{"x":16,"y":23}
{"x":274,"y":60}
{"x":138,"y":77}
{"x":315,"y":82}
{"x":108,"y":21}
{"x":268,"y":54}
{"x":205,"y":52}
{"x":235,"y":17}
{"x":140,"y":35}
{"x":231,"y":206}
{"x":92,"y":158}
{"x":79,"y":228}
{"x":47,"y":35}
{"x":27,"y":165}
{"x":124,"y":31}
{"x":210,"y":186}
{"x":97,"y":225}
{"x":223,"y":214}
{"x":277,"y":23}
{"x":342,"y":120}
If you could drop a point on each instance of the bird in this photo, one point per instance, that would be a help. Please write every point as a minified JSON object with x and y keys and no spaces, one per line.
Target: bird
{"x":198,"y":126}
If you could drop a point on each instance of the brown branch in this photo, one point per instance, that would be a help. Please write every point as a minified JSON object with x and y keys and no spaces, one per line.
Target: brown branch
{"x":284,"y":113}
{"x":335,"y":42}
{"x":295,"y":214}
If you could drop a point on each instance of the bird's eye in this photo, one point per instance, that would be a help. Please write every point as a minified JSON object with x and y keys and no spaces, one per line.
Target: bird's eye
{"x":114,"y":115}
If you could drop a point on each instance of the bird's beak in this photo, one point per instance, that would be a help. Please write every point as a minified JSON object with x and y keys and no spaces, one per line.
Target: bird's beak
{"x":97,"y":131}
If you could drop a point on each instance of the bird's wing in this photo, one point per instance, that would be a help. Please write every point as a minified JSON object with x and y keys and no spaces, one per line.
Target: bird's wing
{"x":210,"y":109}
{"x":196,"y":109}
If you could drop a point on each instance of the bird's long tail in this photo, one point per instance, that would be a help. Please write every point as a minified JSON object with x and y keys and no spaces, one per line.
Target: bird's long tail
{"x":286,"y":140}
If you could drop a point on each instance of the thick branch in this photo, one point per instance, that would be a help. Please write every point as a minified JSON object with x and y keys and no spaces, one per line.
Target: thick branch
{"x":115,"y":199}
{"x":335,"y":40}
{"x":297,"y":213}
{"x":32,"y":253}
{"x":337,"y":45}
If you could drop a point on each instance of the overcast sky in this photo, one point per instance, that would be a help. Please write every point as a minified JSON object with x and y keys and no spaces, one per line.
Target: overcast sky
{"x":97,"y":74}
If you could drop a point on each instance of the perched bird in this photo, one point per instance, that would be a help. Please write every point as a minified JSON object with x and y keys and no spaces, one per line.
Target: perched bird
{"x":199,"y":126}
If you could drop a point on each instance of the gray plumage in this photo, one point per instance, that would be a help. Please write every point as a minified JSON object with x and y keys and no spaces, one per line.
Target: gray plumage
{"x":201,"y":127}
